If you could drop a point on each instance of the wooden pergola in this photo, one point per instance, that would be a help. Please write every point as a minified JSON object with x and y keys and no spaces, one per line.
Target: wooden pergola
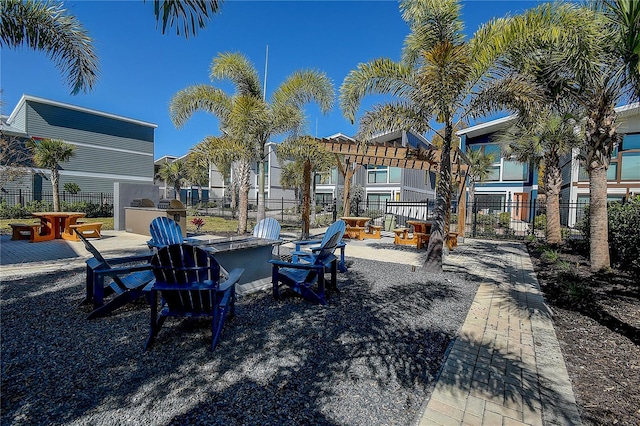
{"x":404,"y":153}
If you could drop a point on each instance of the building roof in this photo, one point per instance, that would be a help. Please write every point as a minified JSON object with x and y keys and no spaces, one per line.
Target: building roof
{"x":488,"y":127}
{"x":501,"y":123}
{"x":29,"y":98}
{"x":8,"y":129}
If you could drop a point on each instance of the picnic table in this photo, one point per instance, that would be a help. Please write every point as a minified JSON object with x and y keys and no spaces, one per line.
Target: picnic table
{"x":56,"y":225}
{"x":355,"y":228}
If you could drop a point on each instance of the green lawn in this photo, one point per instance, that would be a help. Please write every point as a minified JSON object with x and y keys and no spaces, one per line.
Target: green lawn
{"x":211,"y":224}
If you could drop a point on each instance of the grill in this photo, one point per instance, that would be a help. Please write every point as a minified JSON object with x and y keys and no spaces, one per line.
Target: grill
{"x":141,"y":202}
{"x":170,"y":205}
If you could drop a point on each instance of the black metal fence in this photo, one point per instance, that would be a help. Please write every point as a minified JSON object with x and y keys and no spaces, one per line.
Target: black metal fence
{"x":484,"y":219}
{"x":20,"y":197}
{"x":520,"y":219}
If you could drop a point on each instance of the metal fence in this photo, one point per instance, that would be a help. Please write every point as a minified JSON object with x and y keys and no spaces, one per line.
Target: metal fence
{"x":520,"y":219}
{"x":20,"y":197}
{"x":485,"y":219}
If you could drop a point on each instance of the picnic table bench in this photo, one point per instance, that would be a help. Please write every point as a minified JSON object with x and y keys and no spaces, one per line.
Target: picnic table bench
{"x":25,"y":231}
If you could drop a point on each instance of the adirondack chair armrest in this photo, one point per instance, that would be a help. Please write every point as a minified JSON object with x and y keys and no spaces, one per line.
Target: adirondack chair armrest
{"x":282,"y":264}
{"x":232,"y":279}
{"x":130,"y":259}
{"x":197,"y":285}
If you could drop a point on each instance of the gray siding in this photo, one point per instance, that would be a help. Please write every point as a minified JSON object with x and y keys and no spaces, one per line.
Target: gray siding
{"x":81,"y":121}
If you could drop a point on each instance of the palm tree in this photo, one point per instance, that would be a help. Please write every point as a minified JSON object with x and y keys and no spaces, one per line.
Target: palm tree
{"x":197,"y":171}
{"x":173,"y":172}
{"x":227,"y":153}
{"x":441,"y":77}
{"x":543,"y":143}
{"x":291,"y":177}
{"x":479,"y":170}
{"x":597,"y":66}
{"x":313,"y":157}
{"x":49,"y":153}
{"x":49,"y":27}
{"x":246,"y":116}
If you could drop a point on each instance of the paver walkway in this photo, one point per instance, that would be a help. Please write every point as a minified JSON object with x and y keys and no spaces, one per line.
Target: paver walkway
{"x":505,"y":367}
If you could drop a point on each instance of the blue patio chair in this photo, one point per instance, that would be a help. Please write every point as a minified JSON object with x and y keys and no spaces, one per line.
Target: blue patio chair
{"x":314,"y":245}
{"x":269,"y":228}
{"x":188,"y":280}
{"x":308,"y":268}
{"x":127,"y":283}
{"x":164,"y":232}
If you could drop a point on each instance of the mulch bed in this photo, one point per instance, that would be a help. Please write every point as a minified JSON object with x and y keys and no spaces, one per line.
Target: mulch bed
{"x":597,"y":321}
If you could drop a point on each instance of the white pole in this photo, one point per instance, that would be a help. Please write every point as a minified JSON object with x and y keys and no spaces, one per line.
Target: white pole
{"x":266,"y":63}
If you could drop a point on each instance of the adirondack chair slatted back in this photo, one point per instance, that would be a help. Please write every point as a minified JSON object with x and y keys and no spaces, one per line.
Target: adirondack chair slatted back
{"x":268,"y":228}
{"x":332,"y":237}
{"x":165,"y":231}
{"x":183,"y":264}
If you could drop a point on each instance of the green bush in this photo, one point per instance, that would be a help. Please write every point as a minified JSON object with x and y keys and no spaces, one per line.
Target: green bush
{"x":504,"y":219}
{"x":540,"y":221}
{"x":624,"y":232}
{"x":485,"y":219}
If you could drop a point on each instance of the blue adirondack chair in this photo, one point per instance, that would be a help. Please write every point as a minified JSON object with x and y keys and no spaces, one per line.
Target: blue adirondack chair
{"x":164,"y":232}
{"x":127,"y":283}
{"x":308,"y":268}
{"x":268,"y":228}
{"x":314,"y":245}
{"x":188,"y":279}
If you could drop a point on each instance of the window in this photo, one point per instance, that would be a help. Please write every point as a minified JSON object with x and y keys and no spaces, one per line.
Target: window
{"x":327,"y":178}
{"x":494,"y":173}
{"x":378,"y":199}
{"x":493,"y":148}
{"x":395,"y":174}
{"x":612,"y":173}
{"x":630,"y":167}
{"x":377,"y":174}
{"x":631,"y":141}
{"x":514,"y":170}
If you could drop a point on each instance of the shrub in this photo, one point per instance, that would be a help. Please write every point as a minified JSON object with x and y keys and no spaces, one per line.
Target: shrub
{"x":540,"y":221}
{"x":504,"y":219}
{"x":624,"y":232}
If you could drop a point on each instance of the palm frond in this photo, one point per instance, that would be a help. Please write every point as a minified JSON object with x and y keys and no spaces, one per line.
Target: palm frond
{"x":48,"y":27}
{"x":306,"y":86}
{"x":380,"y":76}
{"x":187,"y":16}
{"x":239,"y":69}
{"x":389,"y":117}
{"x":431,"y":22}
{"x":199,"y":98}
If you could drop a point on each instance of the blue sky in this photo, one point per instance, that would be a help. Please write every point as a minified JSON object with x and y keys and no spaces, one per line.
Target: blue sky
{"x":141,"y":69}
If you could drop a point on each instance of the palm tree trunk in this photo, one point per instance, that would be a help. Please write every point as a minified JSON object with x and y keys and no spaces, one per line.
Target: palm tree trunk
{"x":55,"y":180}
{"x":306,"y":199}
{"x":599,"y":229}
{"x":433,"y":262}
{"x":553,"y":185}
{"x":261,"y":186}
{"x":244,"y":169}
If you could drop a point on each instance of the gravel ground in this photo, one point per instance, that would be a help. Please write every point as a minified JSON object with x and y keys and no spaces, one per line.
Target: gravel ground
{"x":368,"y":358}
